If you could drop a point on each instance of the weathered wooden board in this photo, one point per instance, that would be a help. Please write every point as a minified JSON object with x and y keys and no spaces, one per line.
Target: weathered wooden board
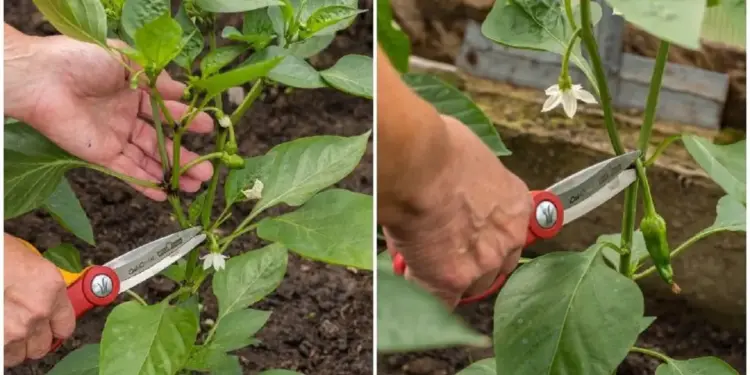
{"x":689,"y":95}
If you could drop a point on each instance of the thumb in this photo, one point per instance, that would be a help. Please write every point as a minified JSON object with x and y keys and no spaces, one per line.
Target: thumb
{"x":63,"y":320}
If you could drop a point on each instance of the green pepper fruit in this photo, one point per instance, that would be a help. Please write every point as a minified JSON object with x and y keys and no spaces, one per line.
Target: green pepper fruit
{"x":233,"y":161}
{"x":231,"y":147}
{"x":654,"y":230}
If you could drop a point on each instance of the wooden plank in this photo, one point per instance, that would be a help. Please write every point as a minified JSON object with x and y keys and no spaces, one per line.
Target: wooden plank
{"x":689,"y":95}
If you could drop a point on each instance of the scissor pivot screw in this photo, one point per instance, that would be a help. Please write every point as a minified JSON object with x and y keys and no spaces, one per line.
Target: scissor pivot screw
{"x":546,"y":214}
{"x":101,"y":285}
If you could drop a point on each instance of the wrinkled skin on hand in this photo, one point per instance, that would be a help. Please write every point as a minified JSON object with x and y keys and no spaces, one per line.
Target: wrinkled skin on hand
{"x":36,"y":304}
{"x":78,"y":95}
{"x":472,"y":224}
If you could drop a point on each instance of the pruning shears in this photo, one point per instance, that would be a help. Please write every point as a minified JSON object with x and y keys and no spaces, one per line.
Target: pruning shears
{"x":562,"y":203}
{"x":100,"y":285}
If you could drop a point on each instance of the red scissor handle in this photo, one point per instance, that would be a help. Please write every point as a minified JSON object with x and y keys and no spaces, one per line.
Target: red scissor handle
{"x":96,"y":286}
{"x":547,"y":217}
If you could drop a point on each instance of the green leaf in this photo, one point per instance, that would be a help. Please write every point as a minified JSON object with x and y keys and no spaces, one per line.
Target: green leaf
{"x":672,"y":20}
{"x":65,"y":256}
{"x":65,"y":207}
{"x":313,"y":5}
{"x":334,"y":226}
{"x":176,"y":271}
{"x":235,"y":77}
{"x":725,"y":23}
{"x":276,"y":15}
{"x":191,"y":304}
{"x":328,"y":16}
{"x":230,"y":365}
{"x":82,"y":361}
{"x":291,"y":71}
{"x":450,"y":101}
{"x":646,"y":322}
{"x":248,"y":278}
{"x":537,"y":25}
{"x":394,"y":42}
{"x":205,"y":357}
{"x":311,"y":46}
{"x":235,"y":330}
{"x":724,"y":164}
{"x":140,"y":339}
{"x":256,"y":41}
{"x":219,"y":58}
{"x":295,"y":171}
{"x":730,"y":216}
{"x":196,"y":207}
{"x":483,"y":367}
{"x":33,"y":168}
{"x":84,"y":20}
{"x":696,"y":366}
{"x":384,"y":262}
{"x":570,"y":312}
{"x":234,"y":6}
{"x":352,"y":74}
{"x":411,"y":319}
{"x":137,"y":13}
{"x":159,"y":41}
{"x":637,"y":251}
{"x":257,"y":22}
{"x":192,"y":39}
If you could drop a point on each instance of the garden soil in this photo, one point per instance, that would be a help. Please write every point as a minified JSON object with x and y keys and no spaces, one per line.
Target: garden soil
{"x":322,"y":315}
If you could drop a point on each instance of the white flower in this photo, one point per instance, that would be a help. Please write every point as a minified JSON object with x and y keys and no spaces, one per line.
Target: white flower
{"x":225,"y":121}
{"x":254,"y":192}
{"x":568,"y":97}
{"x":214,"y":260}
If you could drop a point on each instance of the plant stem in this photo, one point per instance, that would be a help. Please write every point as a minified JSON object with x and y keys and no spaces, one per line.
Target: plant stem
{"x":628,"y":227}
{"x":226,"y":241}
{"x":653,"y":96}
{"x":124,"y":177}
{"x":198,"y":160}
{"x":566,"y":57}
{"x":659,"y":150}
{"x":569,"y":13}
{"x":159,"y":130}
{"x":248,"y":101}
{"x":177,"y":208}
{"x":690,"y":241}
{"x":136,"y":297}
{"x":651,"y":353}
{"x":587,"y":34}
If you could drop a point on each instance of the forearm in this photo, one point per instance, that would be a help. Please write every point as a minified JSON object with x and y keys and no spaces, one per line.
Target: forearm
{"x":412,"y":144}
{"x":18,"y":72}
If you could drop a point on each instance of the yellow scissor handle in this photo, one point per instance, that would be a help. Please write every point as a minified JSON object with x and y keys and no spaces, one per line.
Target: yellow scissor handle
{"x":69,"y":277}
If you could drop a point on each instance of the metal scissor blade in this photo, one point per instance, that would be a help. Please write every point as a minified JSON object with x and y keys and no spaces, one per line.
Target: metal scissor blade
{"x":584,"y":184}
{"x":614,"y":187}
{"x":146,"y":261}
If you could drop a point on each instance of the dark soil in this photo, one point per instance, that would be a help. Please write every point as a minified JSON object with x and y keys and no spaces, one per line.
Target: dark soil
{"x":678,"y":332}
{"x":322,"y":315}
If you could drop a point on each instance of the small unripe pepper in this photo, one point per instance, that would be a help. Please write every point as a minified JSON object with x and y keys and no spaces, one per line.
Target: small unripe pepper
{"x":233,"y":161}
{"x":654,"y":230}
{"x":230,"y":147}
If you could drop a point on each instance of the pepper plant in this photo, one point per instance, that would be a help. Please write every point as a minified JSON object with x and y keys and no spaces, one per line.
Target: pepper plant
{"x":578,"y":312}
{"x":330,"y":225}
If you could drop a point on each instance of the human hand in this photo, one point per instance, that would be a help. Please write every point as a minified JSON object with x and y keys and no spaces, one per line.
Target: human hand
{"x":470,"y":223}
{"x":78,"y":95}
{"x":37,"y":308}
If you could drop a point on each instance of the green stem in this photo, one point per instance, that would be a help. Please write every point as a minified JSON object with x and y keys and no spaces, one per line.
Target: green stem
{"x":652,"y":100}
{"x":659,"y":150}
{"x":177,"y":208}
{"x":628,"y":227}
{"x":697,"y":237}
{"x":587,"y":35}
{"x":222,"y":217}
{"x":180,"y":291}
{"x":226,"y":241}
{"x":651,"y":353}
{"x":569,"y":13}
{"x":124,"y":177}
{"x":247,"y":102}
{"x":136,"y":297}
{"x":161,"y":145}
{"x":614,"y":247}
{"x":566,"y":56}
{"x":198,"y":160}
